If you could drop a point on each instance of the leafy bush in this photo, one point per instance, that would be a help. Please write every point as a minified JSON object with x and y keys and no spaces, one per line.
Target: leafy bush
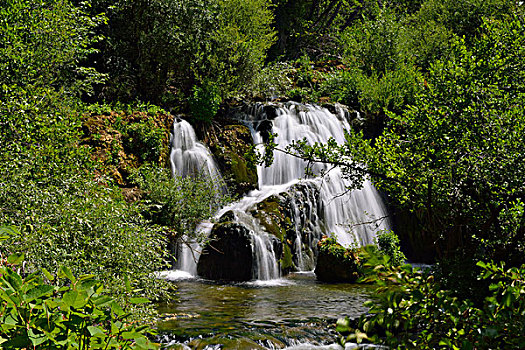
{"x":145,"y":140}
{"x":176,"y":202}
{"x":388,"y":243}
{"x":414,"y":312}
{"x":36,"y":314}
{"x":205,"y":102}
{"x":70,"y":220}
{"x":42,"y":44}
{"x":158,"y":50}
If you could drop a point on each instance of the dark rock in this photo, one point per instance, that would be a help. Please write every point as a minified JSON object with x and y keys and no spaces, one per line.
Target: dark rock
{"x":289,"y":215}
{"x":265,"y":128}
{"x":271,"y":111}
{"x":228,"y":256}
{"x":336,"y":263}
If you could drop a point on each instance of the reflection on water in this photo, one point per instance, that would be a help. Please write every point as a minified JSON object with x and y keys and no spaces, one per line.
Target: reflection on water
{"x":276,"y":314}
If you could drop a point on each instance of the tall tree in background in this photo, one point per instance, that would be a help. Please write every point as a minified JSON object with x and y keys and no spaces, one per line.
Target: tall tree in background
{"x":159,"y":50}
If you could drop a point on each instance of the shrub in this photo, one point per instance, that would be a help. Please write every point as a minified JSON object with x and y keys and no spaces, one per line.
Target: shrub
{"x":204,"y":102}
{"x":67,"y":219}
{"x":176,"y":202}
{"x":388,"y":243}
{"x":414,"y":312}
{"x":35,"y":314}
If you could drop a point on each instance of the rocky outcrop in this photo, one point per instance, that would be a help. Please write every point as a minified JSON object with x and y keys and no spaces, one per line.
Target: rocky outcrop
{"x":291,"y":219}
{"x":229,"y":141}
{"x":294,"y":218}
{"x":228,"y":255}
{"x":122,"y":141}
{"x":336,"y":263}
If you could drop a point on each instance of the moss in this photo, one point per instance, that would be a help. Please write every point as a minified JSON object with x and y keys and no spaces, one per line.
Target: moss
{"x":271,"y":217}
{"x":336,"y":263}
{"x":122,"y":141}
{"x":241,"y":171}
{"x":286,"y":260}
{"x":229,"y":141}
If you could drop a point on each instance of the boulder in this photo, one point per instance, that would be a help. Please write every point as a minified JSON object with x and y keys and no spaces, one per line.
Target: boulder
{"x":228,"y":255}
{"x":229,"y":141}
{"x":336,"y":263}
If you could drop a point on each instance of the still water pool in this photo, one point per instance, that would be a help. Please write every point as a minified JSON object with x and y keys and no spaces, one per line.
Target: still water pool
{"x":295,"y":312}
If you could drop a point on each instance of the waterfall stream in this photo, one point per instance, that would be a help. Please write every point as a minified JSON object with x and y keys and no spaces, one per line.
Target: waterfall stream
{"x":352,"y":217}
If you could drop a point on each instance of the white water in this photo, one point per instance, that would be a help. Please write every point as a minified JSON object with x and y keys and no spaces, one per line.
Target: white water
{"x":189,"y":157}
{"x":353,"y":217}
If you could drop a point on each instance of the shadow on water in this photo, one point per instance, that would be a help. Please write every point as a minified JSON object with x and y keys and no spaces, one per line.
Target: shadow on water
{"x":290,"y":312}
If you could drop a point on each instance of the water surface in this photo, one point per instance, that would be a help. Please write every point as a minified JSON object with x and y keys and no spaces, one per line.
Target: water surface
{"x":291,"y":312}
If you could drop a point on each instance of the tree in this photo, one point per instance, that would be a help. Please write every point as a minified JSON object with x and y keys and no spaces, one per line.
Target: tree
{"x":455,"y":158}
{"x":43,"y":44}
{"x":159,"y":50}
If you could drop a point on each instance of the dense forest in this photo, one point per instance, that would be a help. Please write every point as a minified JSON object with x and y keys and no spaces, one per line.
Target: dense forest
{"x":88,"y":205}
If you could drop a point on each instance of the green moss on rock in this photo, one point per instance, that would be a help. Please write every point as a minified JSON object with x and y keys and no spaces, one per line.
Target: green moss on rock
{"x":336,"y":263}
{"x":229,"y":142}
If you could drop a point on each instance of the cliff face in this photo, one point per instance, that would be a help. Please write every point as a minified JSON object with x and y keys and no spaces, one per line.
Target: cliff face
{"x":123,"y":141}
{"x":229,"y":141}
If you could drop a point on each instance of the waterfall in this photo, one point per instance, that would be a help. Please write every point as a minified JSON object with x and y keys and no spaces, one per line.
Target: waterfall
{"x":189,"y":157}
{"x":315,"y":206}
{"x":353,"y":217}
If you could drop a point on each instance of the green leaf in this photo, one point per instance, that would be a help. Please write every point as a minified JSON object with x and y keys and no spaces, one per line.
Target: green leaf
{"x":15,"y":259}
{"x":50,"y":277}
{"x":95,"y":331}
{"x":117,"y":309}
{"x":102,"y":300}
{"x":64,"y":271}
{"x":7,"y":232}
{"x":36,"y":339}
{"x":139,"y":300}
{"x":343,"y":326}
{"x":75,"y":299}
{"x":38,"y":292}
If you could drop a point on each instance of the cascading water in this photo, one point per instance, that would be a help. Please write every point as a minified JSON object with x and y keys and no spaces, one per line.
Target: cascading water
{"x":316,"y":206}
{"x":345,"y":213}
{"x":189,"y":157}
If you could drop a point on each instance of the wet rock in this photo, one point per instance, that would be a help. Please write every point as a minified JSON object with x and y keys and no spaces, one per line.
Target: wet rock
{"x":229,"y":141}
{"x":265,"y":128}
{"x":271,"y":111}
{"x":293,"y":218}
{"x":228,"y":256}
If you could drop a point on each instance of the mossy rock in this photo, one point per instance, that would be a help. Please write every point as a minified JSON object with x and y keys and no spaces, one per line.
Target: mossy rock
{"x":123,"y":141}
{"x":229,"y":142}
{"x":336,"y":263}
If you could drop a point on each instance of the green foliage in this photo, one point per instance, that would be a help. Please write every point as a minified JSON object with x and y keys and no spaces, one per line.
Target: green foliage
{"x":176,"y":202}
{"x":414,"y":312}
{"x":145,"y":139}
{"x":242,"y":35}
{"x":271,"y":81}
{"x":205,"y":102}
{"x":388,"y":243}
{"x":42,"y":44}
{"x":37,"y":314}
{"x":454,"y":158}
{"x":68,"y":220}
{"x":159,"y":50}
{"x":456,"y":153}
